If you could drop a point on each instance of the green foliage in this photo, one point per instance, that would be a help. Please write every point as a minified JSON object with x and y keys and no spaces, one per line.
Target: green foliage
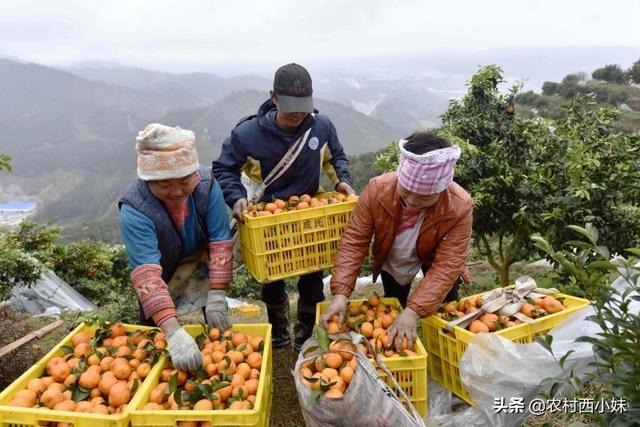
{"x":96,"y":270}
{"x":550,"y":88}
{"x":608,"y":93}
{"x":591,"y":174}
{"x":388,"y":159}
{"x":5,"y":163}
{"x":609,"y":73}
{"x":16,"y":269}
{"x":362,"y":169}
{"x":634,"y":72}
{"x":244,"y":285}
{"x":529,"y":175}
{"x":569,"y":86}
{"x":617,"y":346}
{"x":498,"y":171}
{"x":33,"y":237}
{"x":552,"y":105}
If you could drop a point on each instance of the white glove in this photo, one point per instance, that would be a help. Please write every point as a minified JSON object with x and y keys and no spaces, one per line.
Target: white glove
{"x":217,"y":310}
{"x":338,"y":306}
{"x":403,"y":326}
{"x":183,"y":350}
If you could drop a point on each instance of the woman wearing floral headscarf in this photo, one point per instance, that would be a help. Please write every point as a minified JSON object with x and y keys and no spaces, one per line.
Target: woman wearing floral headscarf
{"x":175,"y":228}
{"x":421,"y":219}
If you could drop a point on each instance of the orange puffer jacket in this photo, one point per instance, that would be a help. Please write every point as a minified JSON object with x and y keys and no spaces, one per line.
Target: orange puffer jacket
{"x":443,"y":241}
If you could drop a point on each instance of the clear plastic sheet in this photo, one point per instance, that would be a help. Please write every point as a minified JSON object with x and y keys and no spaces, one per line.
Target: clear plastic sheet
{"x":49,"y":296}
{"x":493,"y":367}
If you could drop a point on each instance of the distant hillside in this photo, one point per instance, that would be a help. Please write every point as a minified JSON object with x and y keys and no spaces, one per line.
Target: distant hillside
{"x":358,"y":132}
{"x":176,"y":90}
{"x":405,"y":103}
{"x":72,"y":140}
{"x":555,"y":96}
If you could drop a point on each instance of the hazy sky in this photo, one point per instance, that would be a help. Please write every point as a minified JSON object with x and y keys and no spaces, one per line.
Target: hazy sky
{"x":208,"y":34}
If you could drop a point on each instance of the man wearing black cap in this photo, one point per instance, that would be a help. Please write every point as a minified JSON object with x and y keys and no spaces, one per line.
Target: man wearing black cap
{"x":256,"y":146}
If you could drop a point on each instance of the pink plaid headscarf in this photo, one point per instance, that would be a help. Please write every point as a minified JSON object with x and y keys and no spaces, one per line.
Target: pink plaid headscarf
{"x":427,"y":173}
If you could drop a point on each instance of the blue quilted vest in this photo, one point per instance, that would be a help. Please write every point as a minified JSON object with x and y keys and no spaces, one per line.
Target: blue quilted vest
{"x":139,"y":197}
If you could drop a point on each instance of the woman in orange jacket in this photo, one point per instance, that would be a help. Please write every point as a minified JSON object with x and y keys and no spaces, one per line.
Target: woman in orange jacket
{"x":419,"y":219}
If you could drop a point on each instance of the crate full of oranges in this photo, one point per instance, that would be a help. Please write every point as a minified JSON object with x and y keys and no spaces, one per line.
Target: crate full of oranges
{"x":447,"y":348}
{"x":282,"y":239}
{"x":372,"y":318}
{"x":93,"y":378}
{"x":233,"y":387}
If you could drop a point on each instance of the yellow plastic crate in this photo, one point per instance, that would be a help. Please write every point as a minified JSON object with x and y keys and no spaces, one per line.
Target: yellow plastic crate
{"x":11,"y":416}
{"x":292,"y":243}
{"x":258,"y":416}
{"x":247,"y":310}
{"x":445,"y":350}
{"x":410,"y":372}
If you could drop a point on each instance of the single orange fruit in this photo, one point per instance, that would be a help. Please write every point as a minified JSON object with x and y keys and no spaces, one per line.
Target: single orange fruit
{"x":89,"y":379}
{"x":346,"y":374}
{"x":116,"y":330}
{"x":334,"y":393}
{"x":100,"y":409}
{"x":271,"y":207}
{"x":27,"y":395}
{"x":333,"y":328}
{"x":82,"y":349}
{"x":552,"y":305}
{"x":478,"y":327}
{"x":65,"y":405}
{"x":80,"y":337}
{"x":119,"y":394}
{"x":203,"y":405}
{"x":120,"y":341}
{"x":254,"y":360}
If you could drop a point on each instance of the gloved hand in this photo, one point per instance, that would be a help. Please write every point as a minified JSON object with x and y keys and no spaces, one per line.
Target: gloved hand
{"x":403,"y":326}
{"x":217,"y":310}
{"x":239,"y":208}
{"x":183,"y":349}
{"x":338,"y":306}
{"x":345,"y":188}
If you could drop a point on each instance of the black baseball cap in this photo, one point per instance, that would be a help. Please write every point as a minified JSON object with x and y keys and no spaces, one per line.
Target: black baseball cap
{"x":292,"y":84}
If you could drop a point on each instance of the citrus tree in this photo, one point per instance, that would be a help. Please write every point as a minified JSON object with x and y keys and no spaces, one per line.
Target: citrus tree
{"x":591,"y":175}
{"x":501,"y":174}
{"x":536,"y":175}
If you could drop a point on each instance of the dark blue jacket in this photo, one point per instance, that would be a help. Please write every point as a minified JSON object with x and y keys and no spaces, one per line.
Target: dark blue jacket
{"x":257,"y":144}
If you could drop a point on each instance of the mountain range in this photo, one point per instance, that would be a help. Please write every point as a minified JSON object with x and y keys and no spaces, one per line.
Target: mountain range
{"x":71,"y":134}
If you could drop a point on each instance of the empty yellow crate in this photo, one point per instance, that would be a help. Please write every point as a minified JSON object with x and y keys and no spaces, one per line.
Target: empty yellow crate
{"x":11,"y":416}
{"x":247,"y":310}
{"x":410,"y":372}
{"x":258,"y":416}
{"x":295,"y":242}
{"x":445,"y":351}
